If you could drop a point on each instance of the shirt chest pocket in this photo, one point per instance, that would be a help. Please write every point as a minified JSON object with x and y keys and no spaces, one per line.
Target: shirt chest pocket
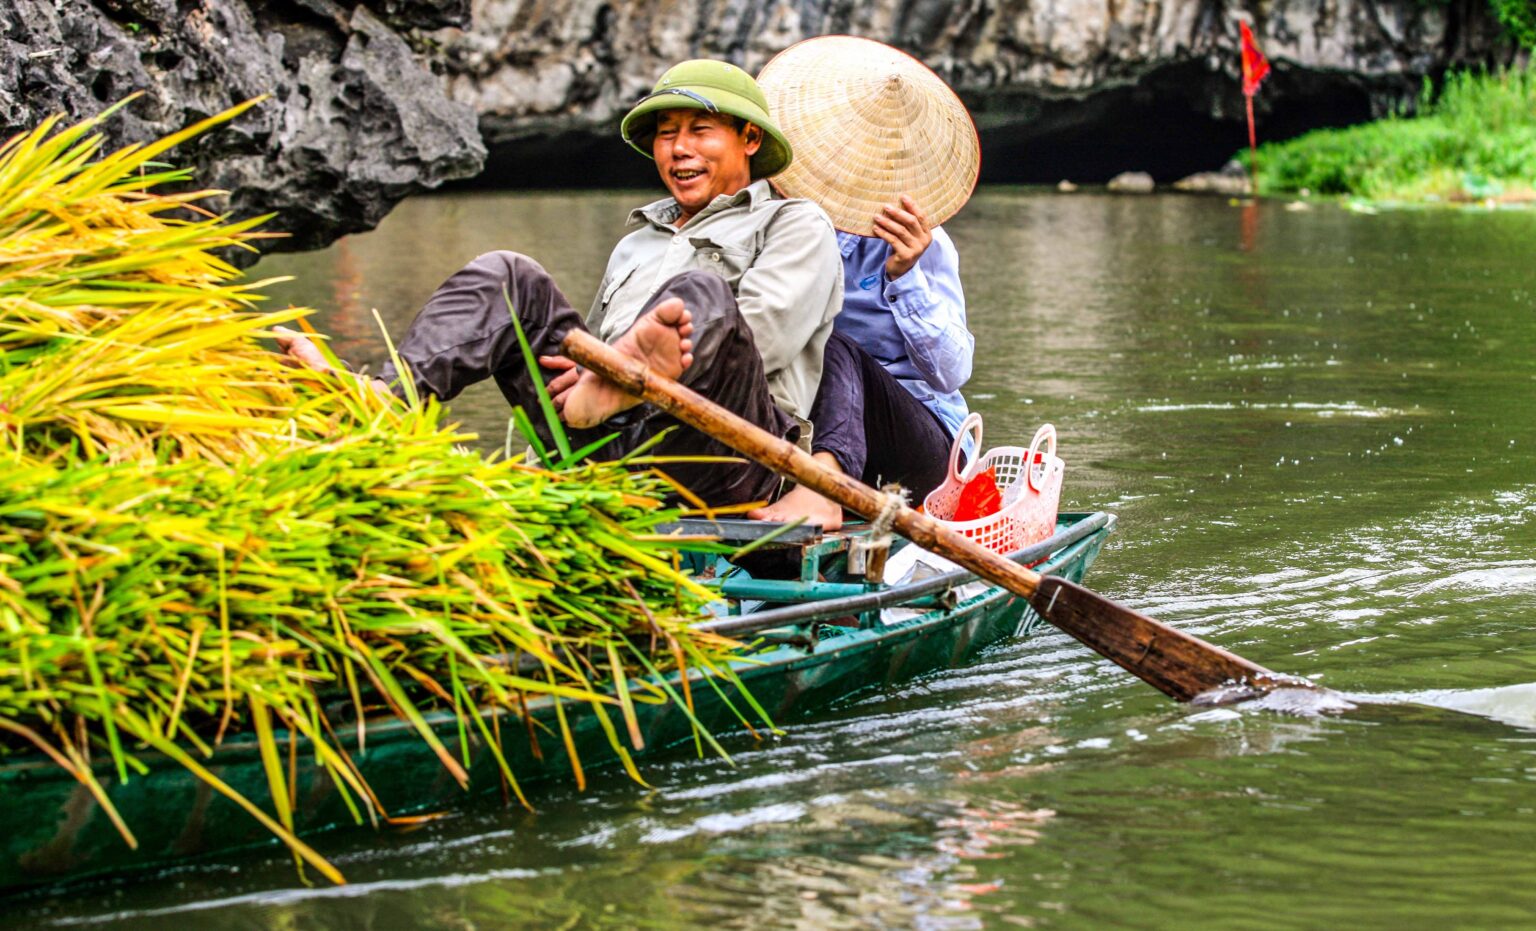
{"x":727,"y":258}
{"x":618,"y":281}
{"x":616,"y":307}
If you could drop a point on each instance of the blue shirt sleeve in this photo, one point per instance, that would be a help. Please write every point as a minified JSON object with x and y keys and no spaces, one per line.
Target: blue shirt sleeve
{"x":929,"y":308}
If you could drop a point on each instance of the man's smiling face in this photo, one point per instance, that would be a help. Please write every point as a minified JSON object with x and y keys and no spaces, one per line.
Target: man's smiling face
{"x":702,"y":155}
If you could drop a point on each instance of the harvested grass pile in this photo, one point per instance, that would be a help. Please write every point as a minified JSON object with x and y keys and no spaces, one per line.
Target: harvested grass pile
{"x":196,"y":539}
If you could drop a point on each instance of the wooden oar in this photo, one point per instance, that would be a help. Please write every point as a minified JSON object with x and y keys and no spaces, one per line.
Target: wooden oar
{"x":1178,"y":664}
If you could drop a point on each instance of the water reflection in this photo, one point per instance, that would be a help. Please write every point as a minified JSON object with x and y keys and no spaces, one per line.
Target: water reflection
{"x":931,"y":884}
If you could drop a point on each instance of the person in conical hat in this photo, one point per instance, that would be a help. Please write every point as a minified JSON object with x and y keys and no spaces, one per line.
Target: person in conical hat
{"x":889,"y":151}
{"x":724,"y":284}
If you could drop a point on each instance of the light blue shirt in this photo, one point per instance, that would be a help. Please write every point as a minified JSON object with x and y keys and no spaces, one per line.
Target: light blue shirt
{"x":915,"y":325}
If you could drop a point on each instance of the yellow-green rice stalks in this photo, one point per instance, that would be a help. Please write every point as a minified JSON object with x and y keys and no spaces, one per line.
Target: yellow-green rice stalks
{"x":196,"y":538}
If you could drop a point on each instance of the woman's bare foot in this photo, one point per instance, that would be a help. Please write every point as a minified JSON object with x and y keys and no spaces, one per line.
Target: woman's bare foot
{"x":802,"y":502}
{"x":659,"y":338}
{"x":301,"y":349}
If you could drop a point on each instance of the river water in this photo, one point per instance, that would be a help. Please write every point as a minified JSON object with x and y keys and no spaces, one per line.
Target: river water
{"x":1317,"y":427}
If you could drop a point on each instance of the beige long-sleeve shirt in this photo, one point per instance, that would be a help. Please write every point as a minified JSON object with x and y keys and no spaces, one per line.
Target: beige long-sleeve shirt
{"x":780,"y":257}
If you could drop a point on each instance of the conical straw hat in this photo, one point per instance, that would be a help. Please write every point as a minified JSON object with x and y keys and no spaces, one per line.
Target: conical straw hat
{"x":869,"y":123}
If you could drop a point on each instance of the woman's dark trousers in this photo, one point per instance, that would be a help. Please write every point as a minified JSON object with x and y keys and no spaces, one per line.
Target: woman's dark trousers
{"x":875,"y":427}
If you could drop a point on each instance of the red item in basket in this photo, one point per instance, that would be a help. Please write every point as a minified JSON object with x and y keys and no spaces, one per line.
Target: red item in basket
{"x":979,"y":497}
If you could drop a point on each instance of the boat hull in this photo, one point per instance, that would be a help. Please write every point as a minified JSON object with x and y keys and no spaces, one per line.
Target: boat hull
{"x":57,"y":831}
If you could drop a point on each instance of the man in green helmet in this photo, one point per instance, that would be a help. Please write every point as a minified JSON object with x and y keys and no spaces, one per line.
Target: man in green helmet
{"x":724,"y":284}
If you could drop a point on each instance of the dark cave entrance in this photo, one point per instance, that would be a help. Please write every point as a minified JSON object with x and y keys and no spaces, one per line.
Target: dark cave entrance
{"x":1176,"y":121}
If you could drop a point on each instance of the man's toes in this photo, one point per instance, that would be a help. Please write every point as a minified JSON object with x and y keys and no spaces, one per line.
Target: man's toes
{"x":671,"y":312}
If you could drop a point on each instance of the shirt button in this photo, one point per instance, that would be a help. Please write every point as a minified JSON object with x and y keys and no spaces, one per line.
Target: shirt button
{"x":714,"y":256}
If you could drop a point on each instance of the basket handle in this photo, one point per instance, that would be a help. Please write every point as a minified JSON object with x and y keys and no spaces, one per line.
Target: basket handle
{"x":971,"y":424}
{"x":1046,"y":434}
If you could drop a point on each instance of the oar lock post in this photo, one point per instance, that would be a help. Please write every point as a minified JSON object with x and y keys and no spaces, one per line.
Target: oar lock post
{"x":867,"y":555}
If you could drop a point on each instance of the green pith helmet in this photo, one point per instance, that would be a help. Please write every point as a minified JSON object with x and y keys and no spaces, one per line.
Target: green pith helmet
{"x":717,"y":86}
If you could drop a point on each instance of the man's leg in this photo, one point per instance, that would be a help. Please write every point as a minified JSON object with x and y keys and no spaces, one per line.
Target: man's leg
{"x":464,"y":334}
{"x":728,"y":370}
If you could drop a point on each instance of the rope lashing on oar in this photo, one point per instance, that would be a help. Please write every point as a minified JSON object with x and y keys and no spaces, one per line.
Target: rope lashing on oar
{"x":893,"y":499}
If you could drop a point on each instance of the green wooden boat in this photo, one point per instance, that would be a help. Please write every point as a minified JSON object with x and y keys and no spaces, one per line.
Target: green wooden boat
{"x":820,"y":637}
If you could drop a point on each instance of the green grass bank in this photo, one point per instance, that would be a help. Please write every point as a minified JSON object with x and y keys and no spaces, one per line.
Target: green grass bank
{"x":1474,"y":140}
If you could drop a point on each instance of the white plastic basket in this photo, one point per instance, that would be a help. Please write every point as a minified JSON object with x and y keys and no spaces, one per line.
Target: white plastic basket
{"x":1030,"y":494}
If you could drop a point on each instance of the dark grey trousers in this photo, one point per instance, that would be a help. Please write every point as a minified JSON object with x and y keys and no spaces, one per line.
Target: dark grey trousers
{"x":464,"y":334}
{"x":877,"y":430}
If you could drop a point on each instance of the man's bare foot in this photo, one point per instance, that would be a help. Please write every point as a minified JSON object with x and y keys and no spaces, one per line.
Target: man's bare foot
{"x":659,"y":338}
{"x":301,"y":349}
{"x":802,"y":502}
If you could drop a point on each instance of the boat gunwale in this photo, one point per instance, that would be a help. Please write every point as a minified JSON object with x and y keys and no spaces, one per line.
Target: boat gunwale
{"x":1084,"y":525}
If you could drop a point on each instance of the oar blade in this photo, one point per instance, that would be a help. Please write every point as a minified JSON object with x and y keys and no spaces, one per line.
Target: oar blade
{"x":1179,"y":665}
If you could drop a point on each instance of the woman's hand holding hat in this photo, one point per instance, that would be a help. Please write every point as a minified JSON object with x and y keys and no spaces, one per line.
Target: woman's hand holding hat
{"x":908,"y":232}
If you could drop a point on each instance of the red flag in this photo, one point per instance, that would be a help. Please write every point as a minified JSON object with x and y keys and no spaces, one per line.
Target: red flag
{"x":1255,"y":65}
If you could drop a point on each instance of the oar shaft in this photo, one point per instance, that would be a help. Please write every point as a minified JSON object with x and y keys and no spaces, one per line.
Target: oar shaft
{"x":791,"y":461}
{"x":1172,"y":661}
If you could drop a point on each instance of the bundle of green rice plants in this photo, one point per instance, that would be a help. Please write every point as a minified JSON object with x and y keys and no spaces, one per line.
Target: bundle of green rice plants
{"x":197,"y":539}
{"x":122,"y":331}
{"x":169,"y":605}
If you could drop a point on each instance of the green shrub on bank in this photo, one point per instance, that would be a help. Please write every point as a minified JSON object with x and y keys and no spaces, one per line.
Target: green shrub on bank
{"x":1476,"y":140}
{"x":1518,"y":17}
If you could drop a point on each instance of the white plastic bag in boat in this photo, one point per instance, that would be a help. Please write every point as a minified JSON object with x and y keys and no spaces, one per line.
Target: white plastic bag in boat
{"x":912,"y":563}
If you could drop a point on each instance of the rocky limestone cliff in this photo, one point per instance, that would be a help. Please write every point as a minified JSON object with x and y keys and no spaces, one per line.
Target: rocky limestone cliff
{"x":356,"y":121}
{"x":1059,"y":88}
{"x":360,"y":114}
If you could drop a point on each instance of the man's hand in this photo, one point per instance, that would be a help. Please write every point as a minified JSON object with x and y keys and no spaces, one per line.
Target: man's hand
{"x":560,"y":386}
{"x":906,"y":229}
{"x":302,"y":352}
{"x":300,"y":349}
